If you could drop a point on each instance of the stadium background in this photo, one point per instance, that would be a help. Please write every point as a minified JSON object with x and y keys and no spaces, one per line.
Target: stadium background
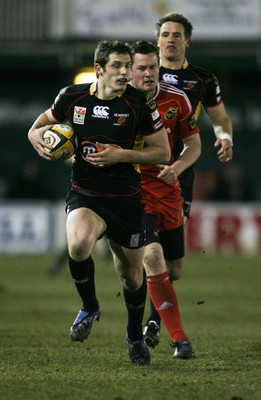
{"x":44,"y":43}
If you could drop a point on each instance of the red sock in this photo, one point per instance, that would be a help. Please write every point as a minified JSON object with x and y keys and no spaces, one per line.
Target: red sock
{"x":164,"y":299}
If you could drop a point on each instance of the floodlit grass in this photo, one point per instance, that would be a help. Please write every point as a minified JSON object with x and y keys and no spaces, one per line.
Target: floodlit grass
{"x":220,"y":303}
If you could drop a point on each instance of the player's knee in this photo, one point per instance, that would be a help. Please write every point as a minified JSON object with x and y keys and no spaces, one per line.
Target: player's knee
{"x":175,"y":271}
{"x":132,"y":281}
{"x":153,"y":260}
{"x":174,"y":275}
{"x":79,"y":250}
{"x":132,"y":286}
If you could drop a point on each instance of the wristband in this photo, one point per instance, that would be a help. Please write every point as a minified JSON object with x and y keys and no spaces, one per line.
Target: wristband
{"x":223,"y":136}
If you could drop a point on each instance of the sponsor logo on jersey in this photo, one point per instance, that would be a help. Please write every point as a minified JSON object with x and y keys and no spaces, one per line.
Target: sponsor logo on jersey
{"x":192,"y":122}
{"x":79,"y":115}
{"x":171,"y":113}
{"x":134,"y":240}
{"x":101,"y":112}
{"x":88,"y":148}
{"x":120,"y":119}
{"x":121,"y":115}
{"x":170,"y":78}
{"x":158,"y":125}
{"x":151,"y":102}
{"x":189,"y":85}
{"x":155,"y":115}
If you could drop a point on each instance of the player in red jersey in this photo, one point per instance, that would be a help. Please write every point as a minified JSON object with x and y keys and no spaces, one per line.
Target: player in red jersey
{"x":105,"y":193}
{"x":161,"y":191}
{"x":173,"y":35}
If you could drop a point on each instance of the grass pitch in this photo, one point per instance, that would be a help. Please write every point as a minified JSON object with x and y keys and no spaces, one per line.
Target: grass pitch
{"x":220,"y":303}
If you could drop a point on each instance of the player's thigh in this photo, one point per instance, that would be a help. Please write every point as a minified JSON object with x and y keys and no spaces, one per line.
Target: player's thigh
{"x":84,"y":225}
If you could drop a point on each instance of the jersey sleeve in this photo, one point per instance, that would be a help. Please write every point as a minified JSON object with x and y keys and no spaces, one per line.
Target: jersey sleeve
{"x":187,"y":123}
{"x":213,"y":93}
{"x":57,"y":106}
{"x":152,"y":121}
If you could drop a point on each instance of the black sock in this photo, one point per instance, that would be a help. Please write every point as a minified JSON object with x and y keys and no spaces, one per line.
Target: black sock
{"x":154,"y":316}
{"x":135,"y":303}
{"x":83,"y":275}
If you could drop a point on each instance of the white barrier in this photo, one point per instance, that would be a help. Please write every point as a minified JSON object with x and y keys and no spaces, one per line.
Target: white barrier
{"x":224,"y":227}
{"x":38,"y":227}
{"x":31,"y":226}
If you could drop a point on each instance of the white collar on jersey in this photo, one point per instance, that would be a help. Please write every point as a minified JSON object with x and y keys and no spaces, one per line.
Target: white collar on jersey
{"x":157,"y":91}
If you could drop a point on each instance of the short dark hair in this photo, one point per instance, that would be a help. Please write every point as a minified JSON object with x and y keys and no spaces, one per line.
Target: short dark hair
{"x":105,"y":48}
{"x":144,"y":47}
{"x":175,"y":17}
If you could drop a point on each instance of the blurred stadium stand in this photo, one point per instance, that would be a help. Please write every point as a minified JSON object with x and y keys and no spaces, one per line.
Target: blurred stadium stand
{"x":42,"y":48}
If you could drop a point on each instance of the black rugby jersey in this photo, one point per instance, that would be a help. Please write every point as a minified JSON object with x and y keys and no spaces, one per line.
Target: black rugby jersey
{"x":200,"y":85}
{"x":118,"y":121}
{"x":202,"y":88}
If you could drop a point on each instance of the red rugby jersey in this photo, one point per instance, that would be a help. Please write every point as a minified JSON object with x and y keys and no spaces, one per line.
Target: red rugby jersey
{"x":177,"y":115}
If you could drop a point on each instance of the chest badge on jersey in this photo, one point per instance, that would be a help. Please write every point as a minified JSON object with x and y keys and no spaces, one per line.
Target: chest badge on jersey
{"x":79,"y":115}
{"x":171,"y":113}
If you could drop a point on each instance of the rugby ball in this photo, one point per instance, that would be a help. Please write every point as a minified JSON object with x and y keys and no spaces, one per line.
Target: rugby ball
{"x":63,"y":141}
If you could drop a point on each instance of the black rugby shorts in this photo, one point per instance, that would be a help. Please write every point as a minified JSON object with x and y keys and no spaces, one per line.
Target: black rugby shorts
{"x":124,"y":216}
{"x":172,"y":240}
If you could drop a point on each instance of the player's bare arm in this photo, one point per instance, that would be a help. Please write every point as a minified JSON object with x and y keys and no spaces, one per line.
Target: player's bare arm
{"x":189,"y":155}
{"x":36,"y":132}
{"x":222,"y":125}
{"x":157,"y":151}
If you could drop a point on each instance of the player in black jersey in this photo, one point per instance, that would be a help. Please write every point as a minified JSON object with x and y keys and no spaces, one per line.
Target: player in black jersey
{"x":173,"y":35}
{"x":105,"y":194}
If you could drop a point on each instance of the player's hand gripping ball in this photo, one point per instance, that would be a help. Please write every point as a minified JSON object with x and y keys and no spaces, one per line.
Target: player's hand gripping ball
{"x":89,"y":148}
{"x":63,"y":140}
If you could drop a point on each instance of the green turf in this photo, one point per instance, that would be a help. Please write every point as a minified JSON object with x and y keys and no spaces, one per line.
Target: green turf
{"x":220,"y":302}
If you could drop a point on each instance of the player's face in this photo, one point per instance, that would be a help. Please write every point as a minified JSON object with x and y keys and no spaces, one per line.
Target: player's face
{"x":172,"y":42}
{"x":145,"y":72}
{"x":116,"y":73}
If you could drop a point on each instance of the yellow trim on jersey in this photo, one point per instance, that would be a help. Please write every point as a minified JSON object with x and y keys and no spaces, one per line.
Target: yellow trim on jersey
{"x":138,"y":144}
{"x":93,"y":88}
{"x":198,"y":110}
{"x":185,"y":64}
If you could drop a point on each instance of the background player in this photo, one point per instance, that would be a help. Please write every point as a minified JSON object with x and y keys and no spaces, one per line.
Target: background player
{"x":161,"y":192}
{"x":173,"y":35}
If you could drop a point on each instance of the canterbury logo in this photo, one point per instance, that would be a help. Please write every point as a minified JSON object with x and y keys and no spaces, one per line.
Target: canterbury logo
{"x":101,"y":111}
{"x":170,"y":78}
